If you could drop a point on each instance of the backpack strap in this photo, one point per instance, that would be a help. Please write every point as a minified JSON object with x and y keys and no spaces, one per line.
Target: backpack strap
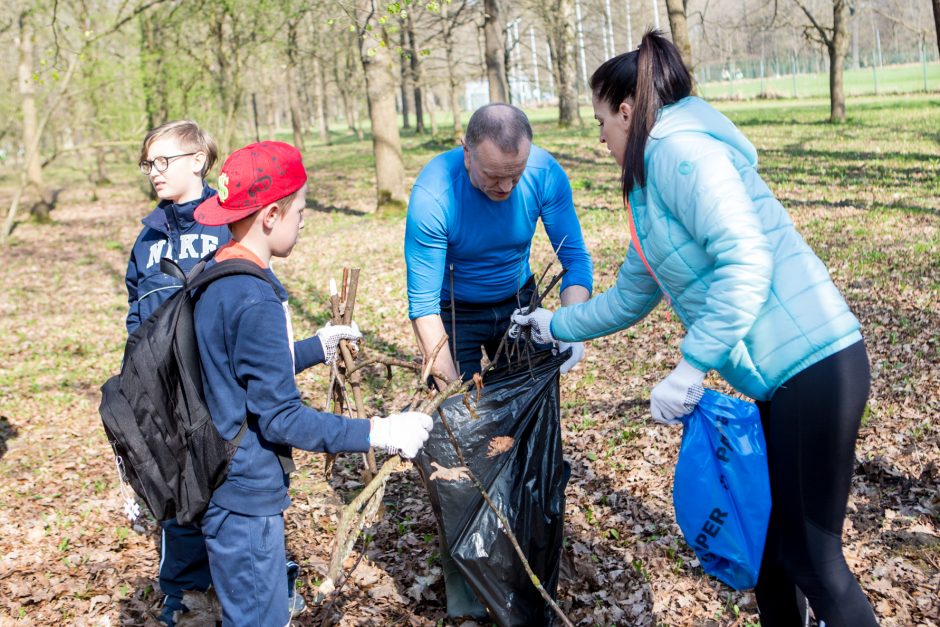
{"x":198,"y":278}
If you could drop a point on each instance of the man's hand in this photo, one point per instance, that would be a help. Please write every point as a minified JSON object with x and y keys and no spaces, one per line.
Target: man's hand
{"x":540,"y":321}
{"x":331,"y":334}
{"x":401,"y":434}
{"x":678,"y":394}
{"x":577,"y":354}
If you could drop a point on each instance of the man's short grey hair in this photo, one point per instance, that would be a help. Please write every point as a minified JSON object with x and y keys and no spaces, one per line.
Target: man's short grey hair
{"x":503,"y":124}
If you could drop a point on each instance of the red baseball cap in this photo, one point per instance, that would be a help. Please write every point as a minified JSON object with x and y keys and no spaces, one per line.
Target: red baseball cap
{"x":251,"y":178}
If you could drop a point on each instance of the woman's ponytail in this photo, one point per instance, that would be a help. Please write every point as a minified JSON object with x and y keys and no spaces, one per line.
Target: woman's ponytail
{"x":660,"y":79}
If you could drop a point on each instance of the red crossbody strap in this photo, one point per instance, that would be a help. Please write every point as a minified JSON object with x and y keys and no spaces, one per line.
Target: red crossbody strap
{"x":636,"y":246}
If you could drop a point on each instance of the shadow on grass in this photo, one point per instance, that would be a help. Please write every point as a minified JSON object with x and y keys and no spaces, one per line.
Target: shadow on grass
{"x":315,"y":205}
{"x":7,"y":432}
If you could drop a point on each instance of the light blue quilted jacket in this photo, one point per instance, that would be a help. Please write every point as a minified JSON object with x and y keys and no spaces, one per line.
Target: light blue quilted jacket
{"x":757,"y":304}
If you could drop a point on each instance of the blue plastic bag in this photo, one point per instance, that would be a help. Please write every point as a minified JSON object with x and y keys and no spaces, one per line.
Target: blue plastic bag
{"x":722,"y":490}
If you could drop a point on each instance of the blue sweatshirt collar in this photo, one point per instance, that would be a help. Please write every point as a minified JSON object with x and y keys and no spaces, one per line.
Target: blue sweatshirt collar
{"x":169,"y":216}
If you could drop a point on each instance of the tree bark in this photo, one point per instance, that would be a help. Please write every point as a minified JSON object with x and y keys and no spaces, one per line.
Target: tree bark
{"x":405,"y":75}
{"x":429,"y":99}
{"x":556,"y":16}
{"x":936,"y":21}
{"x":228,"y":75}
{"x":319,"y":82}
{"x":415,"y":76}
{"x":680,"y":31}
{"x":27,"y":90}
{"x":293,"y":84}
{"x":380,"y":90}
{"x":837,"y":44}
{"x":453,"y":83}
{"x":838,"y":47}
{"x":495,"y":52}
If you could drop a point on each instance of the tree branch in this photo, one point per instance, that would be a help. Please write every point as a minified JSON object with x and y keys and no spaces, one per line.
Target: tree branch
{"x":819,"y":28}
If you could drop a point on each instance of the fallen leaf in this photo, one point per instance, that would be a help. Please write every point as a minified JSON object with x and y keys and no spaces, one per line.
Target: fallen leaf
{"x":499,"y":445}
{"x":448,"y":474}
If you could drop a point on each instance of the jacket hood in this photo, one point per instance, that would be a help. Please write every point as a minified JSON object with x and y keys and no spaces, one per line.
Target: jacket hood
{"x":694,"y":115}
{"x":178,"y":216}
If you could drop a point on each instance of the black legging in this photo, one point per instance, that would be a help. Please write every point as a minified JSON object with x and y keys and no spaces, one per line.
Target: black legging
{"x":810,"y":426}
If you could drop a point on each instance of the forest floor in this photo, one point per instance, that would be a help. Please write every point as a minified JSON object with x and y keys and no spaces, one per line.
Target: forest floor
{"x":865,"y":195}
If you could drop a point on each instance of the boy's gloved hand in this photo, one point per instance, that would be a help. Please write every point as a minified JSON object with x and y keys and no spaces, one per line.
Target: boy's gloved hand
{"x":331,"y":334}
{"x":539,"y":320}
{"x":401,"y":434}
{"x":678,"y":394}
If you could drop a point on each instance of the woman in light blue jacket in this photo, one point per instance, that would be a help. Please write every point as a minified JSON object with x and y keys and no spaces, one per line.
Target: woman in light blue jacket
{"x":708,"y":236}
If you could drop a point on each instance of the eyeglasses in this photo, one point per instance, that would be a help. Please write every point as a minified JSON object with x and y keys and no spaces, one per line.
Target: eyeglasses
{"x":159,"y":163}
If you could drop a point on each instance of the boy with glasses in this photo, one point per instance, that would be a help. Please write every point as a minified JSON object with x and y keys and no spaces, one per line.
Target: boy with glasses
{"x":176,"y":157}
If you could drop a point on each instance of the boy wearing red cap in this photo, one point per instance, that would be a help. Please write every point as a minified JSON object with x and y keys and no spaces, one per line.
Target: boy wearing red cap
{"x":249,"y":360}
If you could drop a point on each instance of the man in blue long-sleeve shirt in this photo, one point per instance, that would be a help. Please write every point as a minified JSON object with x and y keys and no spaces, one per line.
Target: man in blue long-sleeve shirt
{"x":471,"y":218}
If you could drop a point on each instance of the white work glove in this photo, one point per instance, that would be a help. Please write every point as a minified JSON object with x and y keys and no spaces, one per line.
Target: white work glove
{"x":577,"y":354}
{"x":401,"y":434}
{"x":539,"y":320}
{"x":331,"y":334}
{"x":678,"y":394}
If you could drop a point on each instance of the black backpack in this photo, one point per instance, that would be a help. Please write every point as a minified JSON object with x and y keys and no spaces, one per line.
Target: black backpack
{"x":154,"y":412}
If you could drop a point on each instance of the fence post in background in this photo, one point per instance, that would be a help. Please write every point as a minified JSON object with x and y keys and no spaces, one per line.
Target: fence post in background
{"x":794,"y":75}
{"x":923,"y":56}
{"x":762,"y":91}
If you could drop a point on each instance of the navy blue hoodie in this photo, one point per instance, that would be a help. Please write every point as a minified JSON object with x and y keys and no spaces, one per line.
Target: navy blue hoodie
{"x":170,"y":230}
{"x":248,"y":364}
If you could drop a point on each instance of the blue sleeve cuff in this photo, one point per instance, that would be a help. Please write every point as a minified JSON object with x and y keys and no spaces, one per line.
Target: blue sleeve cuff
{"x":308,"y":353}
{"x":579,"y":276}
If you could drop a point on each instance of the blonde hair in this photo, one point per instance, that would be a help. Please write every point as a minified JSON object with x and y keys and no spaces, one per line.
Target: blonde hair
{"x":284,"y":203}
{"x":190,"y":137}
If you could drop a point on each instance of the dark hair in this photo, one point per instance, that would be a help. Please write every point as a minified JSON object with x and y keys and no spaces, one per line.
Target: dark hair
{"x":503,"y":124}
{"x":654,"y":76}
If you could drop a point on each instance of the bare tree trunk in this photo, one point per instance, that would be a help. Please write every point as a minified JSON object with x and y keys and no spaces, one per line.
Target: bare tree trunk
{"x":50,"y":106}
{"x":495,"y":52}
{"x":936,"y":20}
{"x":854,"y":19}
{"x":838,"y":47}
{"x":430,"y":106}
{"x":680,"y":31}
{"x":453,"y":84}
{"x":415,"y":76}
{"x":319,"y":83}
{"x":27,"y":90}
{"x":405,"y":72}
{"x":293,"y":98}
{"x":837,"y":43}
{"x":558,"y":26}
{"x":380,"y":89}
{"x":629,"y":12}
{"x":579,"y":31}
{"x":227,"y":77}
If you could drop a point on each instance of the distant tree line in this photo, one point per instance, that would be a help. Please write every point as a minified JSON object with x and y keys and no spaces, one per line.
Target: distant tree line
{"x":88,"y":77}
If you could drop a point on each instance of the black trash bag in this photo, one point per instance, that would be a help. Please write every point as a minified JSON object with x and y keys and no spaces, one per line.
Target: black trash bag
{"x":527,"y":482}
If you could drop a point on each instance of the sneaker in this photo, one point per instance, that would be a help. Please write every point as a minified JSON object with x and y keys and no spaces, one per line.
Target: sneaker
{"x":170,"y":605}
{"x":295,"y":602}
